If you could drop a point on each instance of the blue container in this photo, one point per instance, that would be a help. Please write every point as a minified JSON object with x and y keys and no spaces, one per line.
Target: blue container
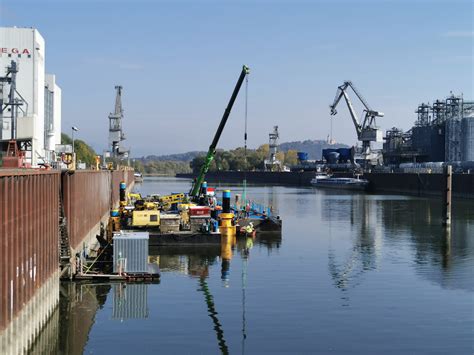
{"x":345,"y":154}
{"x":302,"y":156}
{"x":331,"y":155}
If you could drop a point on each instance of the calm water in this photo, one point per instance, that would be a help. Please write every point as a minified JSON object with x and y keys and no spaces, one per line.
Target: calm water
{"x":351,"y":273}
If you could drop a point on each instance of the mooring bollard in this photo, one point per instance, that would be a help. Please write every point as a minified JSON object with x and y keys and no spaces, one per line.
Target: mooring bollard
{"x":448,"y":183}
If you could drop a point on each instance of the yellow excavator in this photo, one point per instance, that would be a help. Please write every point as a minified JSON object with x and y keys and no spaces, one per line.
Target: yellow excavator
{"x":147,"y":210}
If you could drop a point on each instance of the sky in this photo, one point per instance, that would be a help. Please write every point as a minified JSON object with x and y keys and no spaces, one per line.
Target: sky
{"x":178,"y":62}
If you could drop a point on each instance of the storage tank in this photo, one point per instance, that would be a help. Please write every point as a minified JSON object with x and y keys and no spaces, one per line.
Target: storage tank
{"x":453,"y":140}
{"x":467,"y":142}
{"x":345,"y":154}
{"x":429,"y":141}
{"x":302,"y":156}
{"x":332,"y":157}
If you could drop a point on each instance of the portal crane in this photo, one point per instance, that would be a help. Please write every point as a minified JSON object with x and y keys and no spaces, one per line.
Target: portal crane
{"x":212,"y":148}
{"x":367,"y":131}
{"x":116,"y":134}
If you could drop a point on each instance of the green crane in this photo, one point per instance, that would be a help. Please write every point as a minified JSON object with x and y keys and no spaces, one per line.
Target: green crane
{"x":212,"y":148}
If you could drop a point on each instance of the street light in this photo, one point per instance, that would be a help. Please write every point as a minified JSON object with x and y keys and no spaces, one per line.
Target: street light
{"x":74,"y":129}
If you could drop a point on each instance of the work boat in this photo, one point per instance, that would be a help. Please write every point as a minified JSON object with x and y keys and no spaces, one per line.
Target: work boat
{"x":319,"y":176}
{"x":341,"y":183}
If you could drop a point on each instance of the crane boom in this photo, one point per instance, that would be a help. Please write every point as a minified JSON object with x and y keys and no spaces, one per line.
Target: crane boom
{"x":212,"y":148}
{"x":370,"y":115}
{"x":354,"y":117}
{"x":359,"y":95}
{"x":366,"y":129}
{"x":341,"y":92}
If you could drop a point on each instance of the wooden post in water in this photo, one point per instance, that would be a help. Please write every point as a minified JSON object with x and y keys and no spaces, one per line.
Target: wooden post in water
{"x":448,"y":183}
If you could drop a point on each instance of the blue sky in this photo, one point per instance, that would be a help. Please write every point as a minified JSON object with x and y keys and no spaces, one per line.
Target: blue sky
{"x":178,"y":62}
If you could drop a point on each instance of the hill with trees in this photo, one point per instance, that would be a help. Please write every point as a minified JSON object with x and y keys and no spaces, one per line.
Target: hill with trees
{"x":236,"y":159}
{"x":233,"y":159}
{"x":84,"y":152}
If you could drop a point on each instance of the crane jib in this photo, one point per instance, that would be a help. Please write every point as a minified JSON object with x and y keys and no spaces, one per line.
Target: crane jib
{"x":212,"y":147}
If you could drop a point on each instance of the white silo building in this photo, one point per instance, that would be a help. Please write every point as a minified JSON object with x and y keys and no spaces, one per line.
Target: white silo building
{"x":36,"y":133}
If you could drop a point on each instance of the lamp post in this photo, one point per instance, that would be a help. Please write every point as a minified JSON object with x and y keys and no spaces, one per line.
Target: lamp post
{"x":74,"y":129}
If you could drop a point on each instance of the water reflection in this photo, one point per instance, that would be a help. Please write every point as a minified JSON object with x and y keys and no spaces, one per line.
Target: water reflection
{"x":443,"y":256}
{"x":374,"y":252}
{"x":365,"y":234}
{"x":195,"y":260}
{"x":67,"y":331}
{"x":211,"y":310}
{"x":130,"y":301}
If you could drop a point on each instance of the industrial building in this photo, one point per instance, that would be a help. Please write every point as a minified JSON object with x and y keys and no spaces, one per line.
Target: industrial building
{"x":443,"y":132}
{"x":31,"y":112}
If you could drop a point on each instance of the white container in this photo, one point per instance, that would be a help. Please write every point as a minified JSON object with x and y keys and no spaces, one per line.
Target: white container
{"x":131,"y":252}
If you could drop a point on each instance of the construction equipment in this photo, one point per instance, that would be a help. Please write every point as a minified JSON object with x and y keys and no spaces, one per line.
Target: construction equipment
{"x":146,"y":218}
{"x":167,"y":200}
{"x":212,"y":148}
{"x":367,"y":131}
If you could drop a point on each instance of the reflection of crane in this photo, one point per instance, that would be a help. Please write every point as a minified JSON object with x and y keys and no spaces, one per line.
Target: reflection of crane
{"x":212,"y":148}
{"x":366,"y":130}
{"x":211,"y":309}
{"x":362,"y":257}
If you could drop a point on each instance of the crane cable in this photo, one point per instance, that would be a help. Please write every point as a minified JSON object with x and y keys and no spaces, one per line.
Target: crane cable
{"x":244,"y":194}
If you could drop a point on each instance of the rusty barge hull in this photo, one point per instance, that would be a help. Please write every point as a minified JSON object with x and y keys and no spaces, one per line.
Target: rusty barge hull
{"x":29,"y":240}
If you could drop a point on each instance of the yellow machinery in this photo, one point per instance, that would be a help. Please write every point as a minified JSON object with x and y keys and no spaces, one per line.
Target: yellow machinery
{"x":167,"y":200}
{"x":146,"y":218}
{"x":226,"y":224}
{"x":134,"y":196}
{"x":113,"y":224}
{"x":226,"y":218}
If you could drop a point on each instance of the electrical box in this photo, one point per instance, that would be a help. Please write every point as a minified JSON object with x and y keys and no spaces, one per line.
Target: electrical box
{"x":130,"y":252}
{"x":146,"y":218}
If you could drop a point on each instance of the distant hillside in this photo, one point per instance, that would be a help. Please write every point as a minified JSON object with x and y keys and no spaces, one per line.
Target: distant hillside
{"x":312,"y":147}
{"x":185,"y":157}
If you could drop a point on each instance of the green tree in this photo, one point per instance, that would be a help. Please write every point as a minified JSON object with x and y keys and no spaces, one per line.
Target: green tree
{"x":291,"y":157}
{"x":84,"y":152}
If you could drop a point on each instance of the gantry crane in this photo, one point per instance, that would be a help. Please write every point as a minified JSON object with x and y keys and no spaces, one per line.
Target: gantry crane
{"x":367,"y":131}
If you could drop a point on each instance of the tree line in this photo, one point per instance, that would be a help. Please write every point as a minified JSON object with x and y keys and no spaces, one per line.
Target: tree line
{"x":240,"y":160}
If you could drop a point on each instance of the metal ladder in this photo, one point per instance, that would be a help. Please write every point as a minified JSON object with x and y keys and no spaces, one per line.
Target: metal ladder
{"x":64,"y":245}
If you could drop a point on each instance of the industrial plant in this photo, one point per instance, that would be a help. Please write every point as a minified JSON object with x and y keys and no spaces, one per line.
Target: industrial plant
{"x":443,"y":132}
{"x":30,"y":100}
